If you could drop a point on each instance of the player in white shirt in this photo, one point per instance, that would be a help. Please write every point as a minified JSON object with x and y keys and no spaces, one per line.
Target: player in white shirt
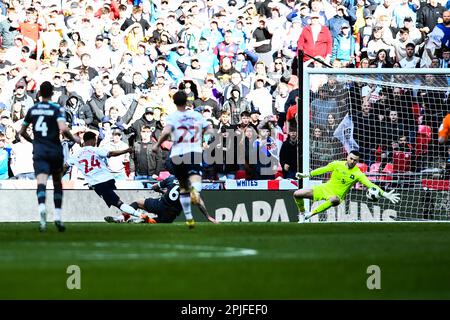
{"x":187,"y":128}
{"x":92,"y":162}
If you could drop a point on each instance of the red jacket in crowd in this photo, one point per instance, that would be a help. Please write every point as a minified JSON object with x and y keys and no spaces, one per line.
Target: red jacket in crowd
{"x":323,"y":46}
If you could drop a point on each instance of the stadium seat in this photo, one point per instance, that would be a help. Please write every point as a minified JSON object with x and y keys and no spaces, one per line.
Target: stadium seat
{"x":375,"y":168}
{"x":362,"y":166}
{"x":241,"y":174}
{"x":401,"y":161}
{"x":416,"y":110}
{"x":423,"y":139}
{"x":163,"y":175}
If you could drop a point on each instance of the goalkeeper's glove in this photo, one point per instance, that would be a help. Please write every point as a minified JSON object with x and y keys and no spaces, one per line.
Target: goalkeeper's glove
{"x":301,"y":175}
{"x":391,"y":196}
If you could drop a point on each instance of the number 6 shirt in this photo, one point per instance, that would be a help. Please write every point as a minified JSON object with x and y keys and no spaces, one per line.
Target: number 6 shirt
{"x":92,"y":163}
{"x":187,"y":131}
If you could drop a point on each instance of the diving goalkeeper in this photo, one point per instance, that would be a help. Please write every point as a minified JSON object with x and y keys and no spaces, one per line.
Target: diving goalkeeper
{"x":344,"y":174}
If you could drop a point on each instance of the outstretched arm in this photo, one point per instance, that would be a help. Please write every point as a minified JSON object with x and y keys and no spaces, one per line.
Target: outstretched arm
{"x":165,"y":134}
{"x":116,"y":153}
{"x":317,"y":172}
{"x":391,"y":196}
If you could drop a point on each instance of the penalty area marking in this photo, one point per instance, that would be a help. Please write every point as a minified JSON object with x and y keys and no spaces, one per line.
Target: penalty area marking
{"x":123,"y":251}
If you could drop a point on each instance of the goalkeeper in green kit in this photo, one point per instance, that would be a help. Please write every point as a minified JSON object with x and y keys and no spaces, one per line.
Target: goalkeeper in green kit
{"x":344,"y":174}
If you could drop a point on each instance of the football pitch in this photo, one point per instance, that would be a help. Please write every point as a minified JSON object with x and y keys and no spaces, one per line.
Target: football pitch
{"x":226,"y":261}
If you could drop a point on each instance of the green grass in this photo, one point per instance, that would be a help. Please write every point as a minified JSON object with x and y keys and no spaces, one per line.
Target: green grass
{"x":286,"y":261}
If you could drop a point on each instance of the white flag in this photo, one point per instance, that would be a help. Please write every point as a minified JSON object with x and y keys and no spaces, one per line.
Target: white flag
{"x":344,"y":133}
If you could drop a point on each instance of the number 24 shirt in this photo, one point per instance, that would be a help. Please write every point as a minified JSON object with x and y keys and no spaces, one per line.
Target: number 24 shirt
{"x":92,"y":163}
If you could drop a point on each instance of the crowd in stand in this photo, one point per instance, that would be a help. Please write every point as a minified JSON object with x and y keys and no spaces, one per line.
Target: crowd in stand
{"x":116,"y":64}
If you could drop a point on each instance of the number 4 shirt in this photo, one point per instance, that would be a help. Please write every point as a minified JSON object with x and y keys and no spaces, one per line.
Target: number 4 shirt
{"x":187,"y":131}
{"x":92,"y":163}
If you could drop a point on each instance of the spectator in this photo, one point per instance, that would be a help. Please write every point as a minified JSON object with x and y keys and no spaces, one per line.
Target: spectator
{"x":136,"y":17}
{"x":235,"y":105}
{"x":402,"y":10}
{"x":227,"y":48}
{"x":147,"y":120}
{"x":445,"y":61}
{"x":144,"y":164}
{"x":8,"y":27}
{"x":377,"y":43}
{"x":344,"y":46}
{"x":97,"y":105}
{"x":262,"y":42}
{"x":206,"y":100}
{"x":410,"y":60}
{"x":415,"y":35}
{"x":382,"y":60}
{"x":5,"y":157}
{"x":428,"y":15}
{"x":440,"y":34}
{"x":116,"y":164}
{"x":340,"y":18}
{"x":20,"y":95}
{"x":315,"y":40}
{"x":288,"y":155}
{"x":21,"y":154}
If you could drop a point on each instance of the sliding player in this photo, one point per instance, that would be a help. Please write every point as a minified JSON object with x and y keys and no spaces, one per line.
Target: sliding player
{"x":167,"y":208}
{"x":187,"y":128}
{"x":344,"y":174}
{"x":92,"y":163}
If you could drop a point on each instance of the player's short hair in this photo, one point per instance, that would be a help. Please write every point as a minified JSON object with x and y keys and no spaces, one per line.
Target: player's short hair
{"x":180,"y":98}
{"x":89,"y":136}
{"x":46,"y":90}
{"x":355,"y":153}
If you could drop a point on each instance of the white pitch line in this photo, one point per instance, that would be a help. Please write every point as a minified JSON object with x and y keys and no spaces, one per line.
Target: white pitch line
{"x":136,"y":251}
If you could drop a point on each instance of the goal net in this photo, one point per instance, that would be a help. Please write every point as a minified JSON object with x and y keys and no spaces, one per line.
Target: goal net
{"x":392,"y":117}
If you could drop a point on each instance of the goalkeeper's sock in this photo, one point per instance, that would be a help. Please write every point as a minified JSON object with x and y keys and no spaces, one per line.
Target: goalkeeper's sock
{"x":300,"y":204}
{"x":324,"y":206}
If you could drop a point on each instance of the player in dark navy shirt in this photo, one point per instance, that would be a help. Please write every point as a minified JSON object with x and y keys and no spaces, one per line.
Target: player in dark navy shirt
{"x":167,"y":207}
{"x":48,"y":121}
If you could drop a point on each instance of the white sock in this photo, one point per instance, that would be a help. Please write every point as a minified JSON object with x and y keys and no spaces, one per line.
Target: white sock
{"x":129,"y":209}
{"x":185,"y":200}
{"x":57,"y":214}
{"x":41,"y":207}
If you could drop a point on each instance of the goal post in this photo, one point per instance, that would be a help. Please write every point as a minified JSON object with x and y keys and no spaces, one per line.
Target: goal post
{"x":392,"y":117}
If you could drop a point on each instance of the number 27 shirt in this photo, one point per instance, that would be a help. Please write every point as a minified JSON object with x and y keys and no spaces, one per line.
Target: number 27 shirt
{"x":92,"y":163}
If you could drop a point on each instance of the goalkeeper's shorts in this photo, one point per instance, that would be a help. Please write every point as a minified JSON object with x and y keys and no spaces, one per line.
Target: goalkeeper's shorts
{"x":324,"y":192}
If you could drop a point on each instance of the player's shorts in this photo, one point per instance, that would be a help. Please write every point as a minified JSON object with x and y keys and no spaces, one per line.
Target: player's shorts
{"x":164,"y":214}
{"x":106,"y":191}
{"x":187,"y":165}
{"x":324,"y":192}
{"x":48,"y":163}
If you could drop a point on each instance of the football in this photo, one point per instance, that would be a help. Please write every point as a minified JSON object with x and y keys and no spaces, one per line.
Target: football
{"x":373,"y":194}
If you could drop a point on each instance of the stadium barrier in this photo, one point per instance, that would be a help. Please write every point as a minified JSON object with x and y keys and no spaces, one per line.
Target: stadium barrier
{"x":231,"y":201}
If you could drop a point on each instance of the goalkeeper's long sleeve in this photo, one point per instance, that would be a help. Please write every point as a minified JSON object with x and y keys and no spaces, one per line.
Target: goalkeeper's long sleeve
{"x":317,"y":172}
{"x":369,"y":184}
